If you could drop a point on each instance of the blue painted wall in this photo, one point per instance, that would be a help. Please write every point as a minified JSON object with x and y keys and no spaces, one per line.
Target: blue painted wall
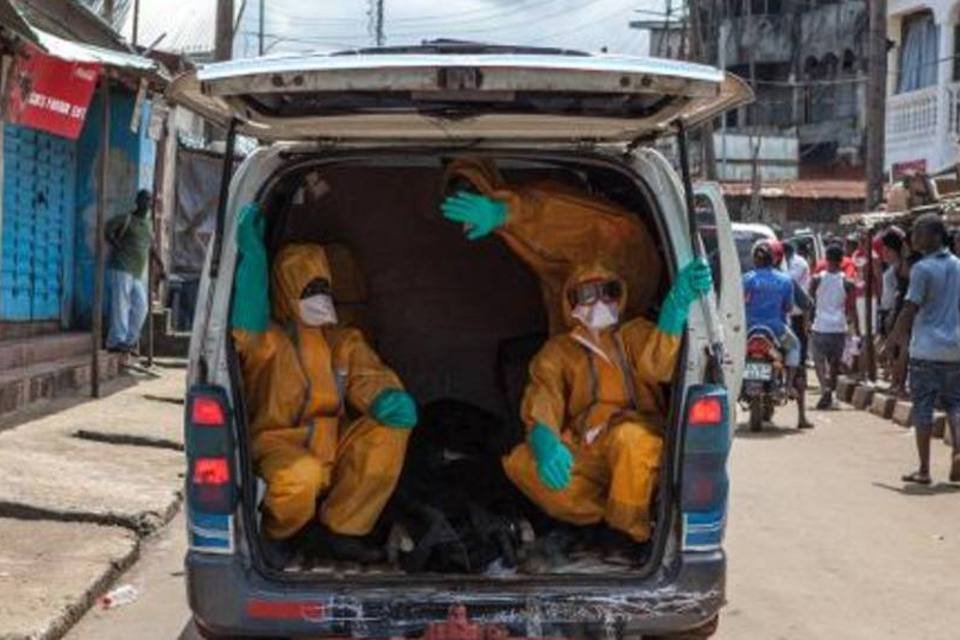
{"x":132,"y":155}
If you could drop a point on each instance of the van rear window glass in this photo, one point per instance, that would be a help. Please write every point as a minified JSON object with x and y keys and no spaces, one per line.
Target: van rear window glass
{"x":299,"y":104}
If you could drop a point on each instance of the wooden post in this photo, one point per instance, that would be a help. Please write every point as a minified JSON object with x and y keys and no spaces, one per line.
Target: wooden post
{"x":869,"y":359}
{"x":158,"y":169}
{"x":99,"y":241}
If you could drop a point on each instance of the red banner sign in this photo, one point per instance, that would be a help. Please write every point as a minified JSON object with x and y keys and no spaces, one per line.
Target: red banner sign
{"x":50,"y":94}
{"x":913,"y":167}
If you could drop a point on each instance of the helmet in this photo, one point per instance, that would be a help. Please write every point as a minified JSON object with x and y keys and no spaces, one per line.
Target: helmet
{"x":776,"y":248}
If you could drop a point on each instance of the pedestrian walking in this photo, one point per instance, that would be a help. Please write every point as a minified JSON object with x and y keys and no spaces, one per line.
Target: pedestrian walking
{"x":799,"y":270}
{"x":931,"y":319}
{"x":130,"y":237}
{"x":834,"y":296}
{"x":890,"y":293}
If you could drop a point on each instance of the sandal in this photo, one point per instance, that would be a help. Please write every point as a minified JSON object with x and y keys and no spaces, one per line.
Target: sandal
{"x":917,"y":478}
{"x":955,"y":469}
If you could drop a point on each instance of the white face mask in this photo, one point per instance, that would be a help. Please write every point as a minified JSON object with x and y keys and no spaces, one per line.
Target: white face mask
{"x":317,"y":311}
{"x":598,"y":316}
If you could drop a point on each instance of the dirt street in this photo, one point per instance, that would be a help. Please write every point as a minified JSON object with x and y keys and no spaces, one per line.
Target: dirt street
{"x":824,"y":542}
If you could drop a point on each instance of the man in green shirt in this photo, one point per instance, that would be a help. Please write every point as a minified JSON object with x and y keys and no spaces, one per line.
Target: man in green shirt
{"x":131,"y":239}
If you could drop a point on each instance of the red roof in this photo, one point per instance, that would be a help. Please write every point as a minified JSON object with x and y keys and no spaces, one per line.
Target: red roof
{"x":801,"y":189}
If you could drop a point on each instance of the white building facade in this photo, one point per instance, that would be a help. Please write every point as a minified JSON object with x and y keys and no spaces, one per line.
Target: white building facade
{"x":923,"y":86}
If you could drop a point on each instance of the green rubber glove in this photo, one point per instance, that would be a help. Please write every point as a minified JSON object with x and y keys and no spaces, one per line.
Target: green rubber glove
{"x":554,"y":460}
{"x":251,"y":289}
{"x":395,"y":408}
{"x":480,"y":213}
{"x":693,"y":282}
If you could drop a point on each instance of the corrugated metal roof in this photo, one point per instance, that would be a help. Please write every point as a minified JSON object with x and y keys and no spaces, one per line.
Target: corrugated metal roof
{"x":71,"y":20}
{"x":11,"y":20}
{"x":801,"y":189}
{"x":79,"y":52}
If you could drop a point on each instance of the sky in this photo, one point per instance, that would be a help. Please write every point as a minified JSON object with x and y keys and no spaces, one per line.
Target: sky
{"x":305,"y":25}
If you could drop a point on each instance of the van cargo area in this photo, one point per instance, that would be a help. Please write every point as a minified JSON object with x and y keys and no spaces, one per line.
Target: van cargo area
{"x":459,"y":321}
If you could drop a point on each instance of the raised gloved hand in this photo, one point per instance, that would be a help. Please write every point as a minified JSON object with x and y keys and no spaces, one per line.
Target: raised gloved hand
{"x":693,"y":281}
{"x":251,"y":290}
{"x":480,"y":213}
{"x":395,"y":408}
{"x":554,"y":460}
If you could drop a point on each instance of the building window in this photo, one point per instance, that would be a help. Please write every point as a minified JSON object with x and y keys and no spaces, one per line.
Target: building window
{"x":918,"y":53}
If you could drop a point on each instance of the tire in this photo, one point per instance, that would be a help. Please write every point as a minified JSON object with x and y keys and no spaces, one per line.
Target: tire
{"x":768,"y":409}
{"x":756,"y":413}
{"x":704,"y":631}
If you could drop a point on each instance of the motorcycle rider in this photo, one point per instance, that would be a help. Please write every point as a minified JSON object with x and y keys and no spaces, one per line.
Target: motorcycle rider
{"x":769,"y":297}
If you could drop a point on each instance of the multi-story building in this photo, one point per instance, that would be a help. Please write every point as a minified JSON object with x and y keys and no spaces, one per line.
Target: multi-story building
{"x":806,"y":60}
{"x":923,"y":86}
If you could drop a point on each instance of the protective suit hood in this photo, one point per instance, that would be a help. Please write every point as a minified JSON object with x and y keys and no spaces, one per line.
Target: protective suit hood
{"x":586,"y":274}
{"x":294,"y":267}
{"x":482,"y":173}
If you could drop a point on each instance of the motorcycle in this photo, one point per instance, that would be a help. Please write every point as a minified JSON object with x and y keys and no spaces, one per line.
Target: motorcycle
{"x":764,"y":377}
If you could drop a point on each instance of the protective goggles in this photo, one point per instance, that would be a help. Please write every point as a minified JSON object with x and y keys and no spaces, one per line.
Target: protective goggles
{"x":590,"y":292}
{"x":316,"y":287}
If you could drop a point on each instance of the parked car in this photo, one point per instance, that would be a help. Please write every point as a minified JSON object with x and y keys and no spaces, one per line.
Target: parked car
{"x":811,"y":244}
{"x":380,"y":124}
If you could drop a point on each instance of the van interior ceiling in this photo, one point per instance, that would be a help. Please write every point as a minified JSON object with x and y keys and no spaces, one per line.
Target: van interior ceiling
{"x":458,"y":321}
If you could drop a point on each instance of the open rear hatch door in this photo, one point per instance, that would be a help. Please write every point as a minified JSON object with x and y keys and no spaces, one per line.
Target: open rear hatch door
{"x":458,"y":92}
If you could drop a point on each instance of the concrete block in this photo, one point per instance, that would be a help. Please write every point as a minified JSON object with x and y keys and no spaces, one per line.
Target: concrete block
{"x":903,"y":413}
{"x":883,"y":405}
{"x":52,"y":572}
{"x":862,"y":397}
{"x":49,"y":472}
{"x":845,"y":388}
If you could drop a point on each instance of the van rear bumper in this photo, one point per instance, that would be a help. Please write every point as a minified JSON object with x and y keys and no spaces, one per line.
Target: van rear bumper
{"x":230,"y":599}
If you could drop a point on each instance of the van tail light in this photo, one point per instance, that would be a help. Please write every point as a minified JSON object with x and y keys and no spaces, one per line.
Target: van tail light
{"x":211,"y":486}
{"x":206,"y":411}
{"x":703,"y":495}
{"x":706,"y":411}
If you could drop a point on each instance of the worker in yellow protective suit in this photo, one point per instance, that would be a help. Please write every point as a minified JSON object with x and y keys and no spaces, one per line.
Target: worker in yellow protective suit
{"x":301,"y":374}
{"x":593,"y":408}
{"x":554,"y":228}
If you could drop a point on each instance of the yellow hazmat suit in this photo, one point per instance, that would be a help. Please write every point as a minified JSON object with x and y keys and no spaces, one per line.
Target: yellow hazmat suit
{"x":601,"y":395}
{"x":299,"y":382}
{"x":555,"y":228}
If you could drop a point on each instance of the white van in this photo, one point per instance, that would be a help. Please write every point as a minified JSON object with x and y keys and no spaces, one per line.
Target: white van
{"x":379,"y":126}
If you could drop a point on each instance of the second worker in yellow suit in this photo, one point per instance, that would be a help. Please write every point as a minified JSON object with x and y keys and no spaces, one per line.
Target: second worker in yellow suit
{"x":302,"y":374}
{"x":593,"y":409}
{"x":554,"y":228}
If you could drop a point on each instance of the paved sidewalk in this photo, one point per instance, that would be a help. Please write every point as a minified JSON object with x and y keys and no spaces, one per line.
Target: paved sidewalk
{"x":83,"y":483}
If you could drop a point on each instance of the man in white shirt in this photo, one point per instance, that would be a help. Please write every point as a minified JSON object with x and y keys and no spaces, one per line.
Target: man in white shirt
{"x":798,"y":267}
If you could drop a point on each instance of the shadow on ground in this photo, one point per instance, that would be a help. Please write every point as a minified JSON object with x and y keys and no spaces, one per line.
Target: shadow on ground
{"x":768,"y":432}
{"x":919,"y":489}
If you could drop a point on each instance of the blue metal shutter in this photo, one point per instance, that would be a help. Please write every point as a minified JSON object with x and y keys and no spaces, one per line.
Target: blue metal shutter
{"x":36,"y":280}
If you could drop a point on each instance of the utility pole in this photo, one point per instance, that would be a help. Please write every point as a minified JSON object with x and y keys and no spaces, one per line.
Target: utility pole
{"x":698,"y":53}
{"x":375,"y":14}
{"x":136,"y":22}
{"x":262,"y":15}
{"x":108,"y":11}
{"x":876,"y":139}
{"x":223,"y":47}
{"x":876,"y":102}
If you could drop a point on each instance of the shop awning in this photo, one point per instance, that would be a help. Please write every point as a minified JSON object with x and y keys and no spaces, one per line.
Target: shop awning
{"x":80,"y":52}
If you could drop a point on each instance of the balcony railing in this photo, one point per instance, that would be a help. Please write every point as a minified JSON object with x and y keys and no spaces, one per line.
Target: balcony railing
{"x":913,"y":116}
